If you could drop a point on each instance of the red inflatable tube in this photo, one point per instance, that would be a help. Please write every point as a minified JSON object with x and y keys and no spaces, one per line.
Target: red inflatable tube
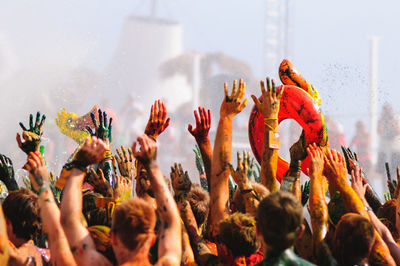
{"x":295,"y":104}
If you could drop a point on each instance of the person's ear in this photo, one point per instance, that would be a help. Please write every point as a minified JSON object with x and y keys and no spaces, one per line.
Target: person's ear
{"x":300,"y":230}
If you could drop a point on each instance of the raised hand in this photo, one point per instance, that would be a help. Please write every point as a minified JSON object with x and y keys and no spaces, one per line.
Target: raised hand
{"x":180,"y":180}
{"x":158,"y":120}
{"x":126,"y":163}
{"x":268,"y":106}
{"x":7,"y":173}
{"x":103,"y":129}
{"x":240,"y":174}
{"x":351,"y":159}
{"x":233,"y":104}
{"x":38,"y":173}
{"x":203,"y":124}
{"x":100,"y":183}
{"x":335,"y":165}
{"x":92,"y":152}
{"x":298,"y":151}
{"x":357,"y":182}
{"x":147,"y":154}
{"x":316,"y":161}
{"x":123,"y":188}
{"x":32,"y":135}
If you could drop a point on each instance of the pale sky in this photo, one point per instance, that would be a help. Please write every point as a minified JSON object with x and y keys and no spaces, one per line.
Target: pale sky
{"x":330,"y":43}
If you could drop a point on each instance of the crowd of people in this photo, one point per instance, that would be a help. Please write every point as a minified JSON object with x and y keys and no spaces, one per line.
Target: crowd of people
{"x":89,"y":215}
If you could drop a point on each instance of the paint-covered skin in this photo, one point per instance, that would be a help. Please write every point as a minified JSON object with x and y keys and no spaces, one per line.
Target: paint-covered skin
{"x":295,"y":104}
{"x":200,"y":133}
{"x":336,"y":171}
{"x":232,"y":104}
{"x":158,"y":120}
{"x":4,"y":246}
{"x":289,"y":75}
{"x":73,"y":126}
{"x":31,"y":135}
{"x":7,"y":173}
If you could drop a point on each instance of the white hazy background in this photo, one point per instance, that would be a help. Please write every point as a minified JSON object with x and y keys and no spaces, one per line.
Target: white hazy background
{"x":56,"y":50}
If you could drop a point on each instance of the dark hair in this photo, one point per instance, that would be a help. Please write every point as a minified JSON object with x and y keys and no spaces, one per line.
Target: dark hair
{"x":353,"y":240}
{"x":22,"y":209}
{"x":133,"y":221}
{"x":238,"y":233}
{"x":278,"y":217}
{"x":199,"y":200}
{"x":387,"y":215}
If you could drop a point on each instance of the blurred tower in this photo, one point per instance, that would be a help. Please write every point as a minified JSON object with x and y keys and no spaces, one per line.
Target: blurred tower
{"x":145,"y":43}
{"x":277,"y":34}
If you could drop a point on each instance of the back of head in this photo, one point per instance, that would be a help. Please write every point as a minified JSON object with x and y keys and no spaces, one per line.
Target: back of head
{"x":133,"y":221}
{"x":387,"y":215}
{"x":238,"y":233}
{"x":199,"y":200}
{"x":279,"y":215}
{"x":238,"y":200}
{"x":354,"y":238}
{"x":22,"y":209}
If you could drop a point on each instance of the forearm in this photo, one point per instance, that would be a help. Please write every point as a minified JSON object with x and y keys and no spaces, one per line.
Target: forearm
{"x":71,"y":204}
{"x":269,"y":163}
{"x":219,"y":187}
{"x":50,"y":214}
{"x":206,"y":154}
{"x":318,"y":213}
{"x":200,"y":248}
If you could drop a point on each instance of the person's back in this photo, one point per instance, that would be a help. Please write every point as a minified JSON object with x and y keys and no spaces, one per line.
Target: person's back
{"x":279,"y":224}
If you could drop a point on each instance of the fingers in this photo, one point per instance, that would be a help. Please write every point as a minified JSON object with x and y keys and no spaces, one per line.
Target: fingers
{"x":242,"y":105}
{"x":19,"y":141}
{"x":256,"y":102}
{"x":30,"y":122}
{"x":125,"y":154}
{"x":120,"y":157}
{"x":42,"y":123}
{"x":226,"y":90}
{"x":130,"y":154}
{"x":234,"y":88}
{"x":37,"y":120}
{"x":262,"y":86}
{"x":190,"y":129}
{"x":22,"y":126}
{"x":101,"y":123}
{"x":94,"y":120}
{"x":239,"y":161}
{"x":196,"y":117}
{"x":105,"y":119}
{"x":280,"y":93}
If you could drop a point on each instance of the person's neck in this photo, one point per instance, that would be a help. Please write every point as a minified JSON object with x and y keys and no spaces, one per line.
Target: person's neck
{"x":136,"y":257}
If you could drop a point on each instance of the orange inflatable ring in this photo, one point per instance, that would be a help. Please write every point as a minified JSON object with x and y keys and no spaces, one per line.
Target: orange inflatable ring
{"x":300,"y":104}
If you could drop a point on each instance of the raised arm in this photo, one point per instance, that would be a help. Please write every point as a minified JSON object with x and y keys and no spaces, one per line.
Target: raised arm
{"x":169,"y":246}
{"x":49,"y":212}
{"x":318,"y":206}
{"x":268,"y":106}
{"x":219,"y":189}
{"x":82,"y":245}
{"x":200,"y":133}
{"x":251,"y":199}
{"x":360,"y":189}
{"x":335,"y":170}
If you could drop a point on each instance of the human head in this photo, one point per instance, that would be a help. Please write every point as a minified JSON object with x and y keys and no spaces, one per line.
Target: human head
{"x":238,"y":234}
{"x":199,"y":200}
{"x":280,"y":220}
{"x":354,"y":237}
{"x":238,"y":201}
{"x":133,"y":225}
{"x":21,"y":210}
{"x":387,"y":215}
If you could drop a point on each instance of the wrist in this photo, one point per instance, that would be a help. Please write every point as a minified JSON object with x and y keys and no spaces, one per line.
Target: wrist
{"x":75,"y":164}
{"x":245,"y":186}
{"x":202,"y":139}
